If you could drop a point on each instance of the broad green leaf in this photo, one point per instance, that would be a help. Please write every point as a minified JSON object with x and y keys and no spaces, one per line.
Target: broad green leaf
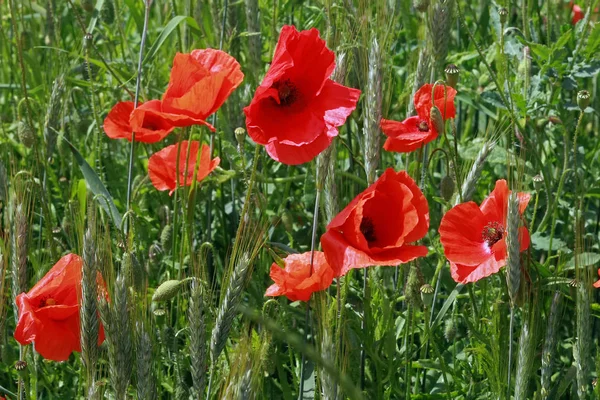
{"x":543,"y":243}
{"x":584,"y":260}
{"x":96,"y":186}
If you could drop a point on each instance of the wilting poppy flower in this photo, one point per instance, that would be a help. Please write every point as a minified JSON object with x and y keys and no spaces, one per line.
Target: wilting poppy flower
{"x":416,"y":131}
{"x":296,"y":281}
{"x":49,"y":312}
{"x":297,"y":109}
{"x":147,"y":122}
{"x":474,"y":237}
{"x":200,"y":83}
{"x":378,"y":225}
{"x":162,"y":166}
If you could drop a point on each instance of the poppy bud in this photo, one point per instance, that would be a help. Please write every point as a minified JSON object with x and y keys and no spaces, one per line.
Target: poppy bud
{"x":412,"y":289}
{"x":26,"y":134}
{"x":421,"y":5}
{"x":87,"y":5}
{"x":108,"y":12}
{"x":449,"y":330}
{"x":427,"y":294}
{"x":447,"y":187}
{"x":538,"y":180}
{"x":168,"y":289}
{"x":278,"y":260}
{"x":452,"y":73}
{"x":288,"y":224}
{"x":166,"y":237}
{"x":583,"y":99}
{"x":503,"y":13}
{"x":436,"y":119}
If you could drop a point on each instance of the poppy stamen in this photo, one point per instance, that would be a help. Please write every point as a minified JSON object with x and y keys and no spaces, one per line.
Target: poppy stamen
{"x":423,"y":126}
{"x":367,"y":228}
{"x":492,"y":233}
{"x":286,"y":91}
{"x":47,"y":301}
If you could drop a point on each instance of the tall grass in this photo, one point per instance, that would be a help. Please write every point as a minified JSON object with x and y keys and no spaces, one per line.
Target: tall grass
{"x":526,"y":111}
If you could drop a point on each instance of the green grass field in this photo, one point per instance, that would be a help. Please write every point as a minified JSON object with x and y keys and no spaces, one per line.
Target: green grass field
{"x":403,"y":203}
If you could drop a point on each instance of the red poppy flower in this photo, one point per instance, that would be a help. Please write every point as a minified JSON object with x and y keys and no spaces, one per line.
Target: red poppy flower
{"x":200,"y":83}
{"x":577,"y":14}
{"x":414,"y":132}
{"x":597,"y":283}
{"x":162,"y":166}
{"x":146,"y":121}
{"x":474,"y":237}
{"x":378,"y":225}
{"x":296,"y":281}
{"x":49,"y":312}
{"x":297,"y":109}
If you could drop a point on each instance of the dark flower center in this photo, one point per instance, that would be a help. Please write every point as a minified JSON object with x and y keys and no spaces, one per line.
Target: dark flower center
{"x":492,"y":233}
{"x":47,"y":301}
{"x":368,"y":229}
{"x":287,"y":92}
{"x":423,"y":126}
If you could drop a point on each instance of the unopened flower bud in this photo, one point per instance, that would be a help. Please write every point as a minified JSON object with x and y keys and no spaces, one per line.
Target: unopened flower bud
{"x":452,"y":73}
{"x":168,"y":289}
{"x":421,"y":5}
{"x":583,"y":99}
{"x":449,"y":330}
{"x":436,"y":119}
{"x":26,"y":134}
{"x":447,"y":187}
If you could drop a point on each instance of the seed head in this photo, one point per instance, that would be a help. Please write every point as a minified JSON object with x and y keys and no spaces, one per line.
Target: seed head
{"x":503,"y":13}
{"x":452,"y":73}
{"x":447,"y":187}
{"x":583,"y":99}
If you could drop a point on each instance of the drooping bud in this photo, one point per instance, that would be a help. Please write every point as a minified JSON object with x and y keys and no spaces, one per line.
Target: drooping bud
{"x":452,"y":74}
{"x":421,"y":5}
{"x":87,"y":5}
{"x":449,"y":330}
{"x":447,"y":187}
{"x":166,"y":237}
{"x":583,"y":99}
{"x":26,"y":134}
{"x":503,"y":13}
{"x":108,"y":12}
{"x":168,"y":289}
{"x":286,"y":219}
{"x":436,"y":119}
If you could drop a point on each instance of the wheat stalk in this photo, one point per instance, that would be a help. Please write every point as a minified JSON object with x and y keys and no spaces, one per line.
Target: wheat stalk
{"x":254,"y":40}
{"x":146,"y":384}
{"x":441,"y":24}
{"x":468,"y":186}
{"x":52,"y":114}
{"x":550,"y":344}
{"x":197,"y":349}
{"x":19,"y":250}
{"x":372,"y":114}
{"x":421,"y":77}
{"x":513,"y":261}
{"x":526,"y":355}
{"x":90,"y":324}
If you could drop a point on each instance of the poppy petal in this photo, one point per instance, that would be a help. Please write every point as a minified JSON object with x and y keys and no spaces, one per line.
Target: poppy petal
{"x":468,"y":274}
{"x":461,"y":235}
{"x":443,"y":99}
{"x":116,"y":124}
{"x":405,"y":136}
{"x":343,"y":258}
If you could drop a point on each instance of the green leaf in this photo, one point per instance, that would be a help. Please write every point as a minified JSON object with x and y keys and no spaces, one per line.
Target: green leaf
{"x":166,"y":32}
{"x":451,"y":298}
{"x":593,"y":44}
{"x":96,"y":186}
{"x":95,"y":15}
{"x":543,"y":243}
{"x":584,"y":260}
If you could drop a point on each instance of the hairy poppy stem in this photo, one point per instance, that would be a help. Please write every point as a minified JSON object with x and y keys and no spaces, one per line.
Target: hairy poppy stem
{"x":313,"y":241}
{"x":138,"y":83}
